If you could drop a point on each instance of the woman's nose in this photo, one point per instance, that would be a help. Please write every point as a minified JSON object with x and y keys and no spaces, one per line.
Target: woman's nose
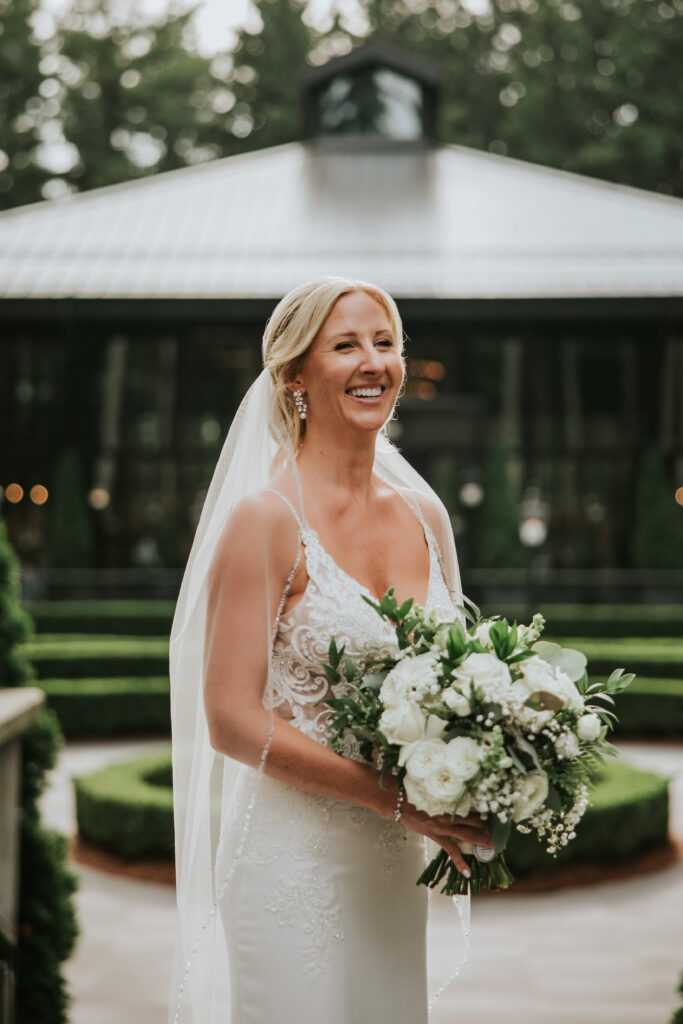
{"x":373,"y":359}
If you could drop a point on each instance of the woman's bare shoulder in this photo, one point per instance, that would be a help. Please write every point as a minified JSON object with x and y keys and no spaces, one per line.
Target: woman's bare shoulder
{"x":260,"y":526}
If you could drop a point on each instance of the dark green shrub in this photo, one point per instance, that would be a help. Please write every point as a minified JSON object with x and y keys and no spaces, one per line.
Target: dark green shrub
{"x":651,"y":707}
{"x":71,"y":539}
{"x":646,"y":656}
{"x":125,"y":810}
{"x":657,"y":541}
{"x":601,"y":620}
{"x":125,"y":706}
{"x":125,"y":618}
{"x":47,"y":925}
{"x":628,"y":814}
{"x":497,"y":528}
{"x":76,"y":657}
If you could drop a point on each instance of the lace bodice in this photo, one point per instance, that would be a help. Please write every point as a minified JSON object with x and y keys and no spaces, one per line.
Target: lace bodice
{"x":332,"y":606}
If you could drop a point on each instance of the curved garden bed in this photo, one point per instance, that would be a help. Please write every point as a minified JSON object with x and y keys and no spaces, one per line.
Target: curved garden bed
{"x":126,"y":810}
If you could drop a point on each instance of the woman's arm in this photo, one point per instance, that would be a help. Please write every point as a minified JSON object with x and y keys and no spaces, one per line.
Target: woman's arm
{"x":245,"y":584}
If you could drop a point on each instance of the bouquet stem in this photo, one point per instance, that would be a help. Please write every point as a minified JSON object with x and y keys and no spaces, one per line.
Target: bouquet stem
{"x":494,"y":875}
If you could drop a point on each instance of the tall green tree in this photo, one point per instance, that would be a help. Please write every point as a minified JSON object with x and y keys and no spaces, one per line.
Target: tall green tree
{"x":22,"y":108}
{"x":657,"y":541}
{"x":47,"y":926}
{"x":498,"y":543}
{"x":264,"y":76}
{"x":136,"y":98}
{"x":71,"y":536}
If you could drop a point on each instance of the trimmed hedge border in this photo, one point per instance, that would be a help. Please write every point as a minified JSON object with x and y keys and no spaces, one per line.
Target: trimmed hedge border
{"x":127,"y":810}
{"x":135,"y":618}
{"x":122,"y":706}
{"x":628,"y":814}
{"x":70,"y":656}
{"x":132,"y":705}
{"x":124,"y":811}
{"x":153,"y":618}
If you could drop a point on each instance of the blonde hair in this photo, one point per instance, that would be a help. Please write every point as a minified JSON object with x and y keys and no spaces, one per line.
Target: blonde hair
{"x":292,"y":328}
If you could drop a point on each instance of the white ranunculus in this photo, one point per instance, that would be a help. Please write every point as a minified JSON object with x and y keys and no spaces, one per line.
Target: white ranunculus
{"x":463,"y":756}
{"x":408,"y":675}
{"x":589,"y":727}
{"x":403,"y":722}
{"x":567,"y":745}
{"x":486,"y":672}
{"x":456,"y":701}
{"x":532,"y":792}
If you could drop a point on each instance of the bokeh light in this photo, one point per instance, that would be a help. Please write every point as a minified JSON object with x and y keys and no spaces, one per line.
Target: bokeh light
{"x":38,"y":494}
{"x":14,"y":493}
{"x":99,"y":498}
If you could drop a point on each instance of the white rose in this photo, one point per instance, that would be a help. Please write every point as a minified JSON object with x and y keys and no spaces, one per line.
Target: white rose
{"x":406,"y":677}
{"x":463,"y":756}
{"x":482,"y":634}
{"x":589,"y":727}
{"x":528,"y":717}
{"x":423,"y":800}
{"x":533,"y":791}
{"x":403,"y":723}
{"x":567,"y":745}
{"x":456,"y":701}
{"x":486,"y":672}
{"x":567,"y":691}
{"x":437,"y":776}
{"x":538,"y":676}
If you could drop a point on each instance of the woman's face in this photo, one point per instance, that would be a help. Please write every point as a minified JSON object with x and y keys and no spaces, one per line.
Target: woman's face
{"x":352,"y":372}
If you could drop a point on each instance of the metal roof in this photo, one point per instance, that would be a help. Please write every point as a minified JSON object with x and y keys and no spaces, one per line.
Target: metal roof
{"x":447,"y":222}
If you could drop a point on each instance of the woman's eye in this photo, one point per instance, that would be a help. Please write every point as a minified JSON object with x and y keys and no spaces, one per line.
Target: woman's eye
{"x":342,"y":344}
{"x":386,"y":341}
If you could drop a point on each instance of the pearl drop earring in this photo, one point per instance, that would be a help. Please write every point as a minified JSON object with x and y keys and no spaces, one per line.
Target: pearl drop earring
{"x":300,"y":403}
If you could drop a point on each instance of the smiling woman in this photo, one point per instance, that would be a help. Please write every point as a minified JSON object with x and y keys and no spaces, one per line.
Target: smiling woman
{"x":305,"y":886}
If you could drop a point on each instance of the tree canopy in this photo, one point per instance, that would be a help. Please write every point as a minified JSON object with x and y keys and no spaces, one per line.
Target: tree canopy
{"x":590,"y":86}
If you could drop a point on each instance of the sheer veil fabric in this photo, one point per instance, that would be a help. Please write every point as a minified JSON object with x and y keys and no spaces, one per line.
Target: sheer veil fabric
{"x":206,"y":783}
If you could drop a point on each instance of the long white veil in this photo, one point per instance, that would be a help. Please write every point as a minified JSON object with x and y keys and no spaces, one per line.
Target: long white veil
{"x":206,"y":784}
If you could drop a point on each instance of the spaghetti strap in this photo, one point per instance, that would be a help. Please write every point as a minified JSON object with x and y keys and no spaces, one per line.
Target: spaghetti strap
{"x":302,"y":525}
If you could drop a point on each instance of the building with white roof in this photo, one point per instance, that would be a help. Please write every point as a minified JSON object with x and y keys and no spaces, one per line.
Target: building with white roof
{"x":541,"y":306}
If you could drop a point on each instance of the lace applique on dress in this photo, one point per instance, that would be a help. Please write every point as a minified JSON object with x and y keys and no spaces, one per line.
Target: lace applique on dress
{"x":332,"y":606}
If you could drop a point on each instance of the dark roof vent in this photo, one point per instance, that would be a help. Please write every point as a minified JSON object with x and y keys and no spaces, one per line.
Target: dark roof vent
{"x":374,"y":95}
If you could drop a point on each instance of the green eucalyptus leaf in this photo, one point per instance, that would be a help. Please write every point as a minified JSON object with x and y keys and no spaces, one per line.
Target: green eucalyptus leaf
{"x":500,"y":832}
{"x":572,"y":663}
{"x":542,"y":700}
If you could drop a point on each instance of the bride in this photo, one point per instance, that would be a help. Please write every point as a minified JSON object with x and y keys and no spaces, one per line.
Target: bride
{"x":296,"y":868}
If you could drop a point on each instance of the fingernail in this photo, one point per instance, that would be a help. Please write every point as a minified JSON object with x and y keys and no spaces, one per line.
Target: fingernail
{"x":467,"y":873}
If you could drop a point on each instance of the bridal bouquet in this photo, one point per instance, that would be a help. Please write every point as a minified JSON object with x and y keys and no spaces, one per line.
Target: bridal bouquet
{"x":488,"y":718}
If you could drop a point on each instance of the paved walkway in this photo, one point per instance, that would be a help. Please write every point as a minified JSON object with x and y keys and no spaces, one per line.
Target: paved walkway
{"x":605,"y":954}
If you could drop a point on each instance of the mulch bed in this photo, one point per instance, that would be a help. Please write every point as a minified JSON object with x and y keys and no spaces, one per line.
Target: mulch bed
{"x":163,"y":871}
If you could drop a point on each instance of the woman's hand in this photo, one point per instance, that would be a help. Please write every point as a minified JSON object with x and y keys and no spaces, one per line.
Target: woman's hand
{"x":448,"y":831}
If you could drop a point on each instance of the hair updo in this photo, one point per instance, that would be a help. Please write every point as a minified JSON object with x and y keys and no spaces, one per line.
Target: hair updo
{"x":292,"y":328}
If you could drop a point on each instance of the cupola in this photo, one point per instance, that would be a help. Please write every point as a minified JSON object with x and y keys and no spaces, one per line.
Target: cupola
{"x":374,"y":95}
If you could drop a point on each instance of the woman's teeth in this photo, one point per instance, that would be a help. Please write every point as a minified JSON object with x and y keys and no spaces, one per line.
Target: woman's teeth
{"x":365,"y":392}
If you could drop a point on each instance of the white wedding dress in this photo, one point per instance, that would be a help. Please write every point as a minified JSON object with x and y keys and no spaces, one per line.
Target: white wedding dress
{"x":323,"y":918}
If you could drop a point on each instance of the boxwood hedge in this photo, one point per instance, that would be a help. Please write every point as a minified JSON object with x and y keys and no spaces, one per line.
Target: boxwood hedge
{"x":122,"y":706}
{"x":127,"y":809}
{"x":122,"y":809}
{"x":628,"y":814}
{"x":153,"y":618}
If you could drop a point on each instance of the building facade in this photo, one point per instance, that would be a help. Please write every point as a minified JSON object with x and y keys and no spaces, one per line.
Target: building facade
{"x":543,"y":310}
